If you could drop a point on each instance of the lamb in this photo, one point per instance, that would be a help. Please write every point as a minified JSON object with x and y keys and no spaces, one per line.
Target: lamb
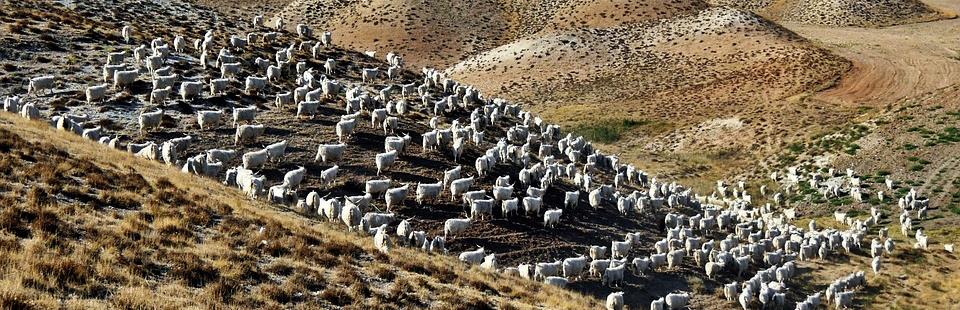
{"x":330,"y":152}
{"x":460,"y":186}
{"x":455,"y":226}
{"x":531,"y":204}
{"x":573,"y":266}
{"x":615,"y":301}
{"x":428,"y":191}
{"x":244,"y":114}
{"x":369,"y":74}
{"x":96,"y":93}
{"x":209,"y":119}
{"x":552,"y":217}
{"x":159,"y":96}
{"x":385,"y":160}
{"x":396,"y":196}
{"x":189,"y":90}
{"x":248,"y":133}
{"x":345,"y":128}
{"x":677,"y":300}
{"x":122,"y":78}
{"x":254,"y":84}
{"x":254,"y":159}
{"x":150,"y":120}
{"x":472,"y":257}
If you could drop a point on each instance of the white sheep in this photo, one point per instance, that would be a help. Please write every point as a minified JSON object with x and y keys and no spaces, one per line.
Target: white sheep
{"x":308,"y":108}
{"x":369,"y":74}
{"x":276,"y":150}
{"x":381,"y":240}
{"x":385,"y":160}
{"x":248,"y":133}
{"x":327,"y":38}
{"x":254,"y":159}
{"x":377,"y":187}
{"x":190,"y":89}
{"x":613,"y":274}
{"x":544,"y":270}
{"x":455,"y":226}
{"x":248,"y":114}
{"x":293,"y":178}
{"x":284,"y":99}
{"x":209,"y":119}
{"x":556,"y":281}
{"x":254,"y":85}
{"x":598,"y":252}
{"x":96,"y":93}
{"x":677,"y":300}
{"x":472,"y":257}
{"x":573,"y":266}
{"x":127,"y":33}
{"x":122,"y":78}
{"x":396,"y":196}
{"x":510,"y":206}
{"x":345,"y":128}
{"x":218,"y":86}
{"x":219,"y":155}
{"x":330,"y":152}
{"x":29,"y":111}
{"x":481,"y":208}
{"x":150,"y":120}
{"x":532,"y":204}
{"x":159,"y":96}
{"x":552,"y":217}
{"x":428,"y":191}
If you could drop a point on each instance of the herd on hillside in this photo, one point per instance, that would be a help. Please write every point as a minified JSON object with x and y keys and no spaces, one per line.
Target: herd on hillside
{"x":724,"y":234}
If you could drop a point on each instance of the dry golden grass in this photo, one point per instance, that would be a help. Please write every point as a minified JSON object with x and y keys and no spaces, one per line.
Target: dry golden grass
{"x":83,"y":226}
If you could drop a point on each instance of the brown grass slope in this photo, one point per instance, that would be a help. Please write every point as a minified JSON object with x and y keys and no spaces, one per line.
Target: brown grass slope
{"x":708,"y":82}
{"x":85,"y":226}
{"x":441,"y":33}
{"x":861,"y":13}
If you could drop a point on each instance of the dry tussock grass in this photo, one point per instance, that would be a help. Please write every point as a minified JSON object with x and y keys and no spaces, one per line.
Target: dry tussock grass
{"x":86,"y":227}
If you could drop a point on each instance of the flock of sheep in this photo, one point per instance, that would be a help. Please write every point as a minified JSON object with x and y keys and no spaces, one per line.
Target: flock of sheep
{"x":724,"y":234}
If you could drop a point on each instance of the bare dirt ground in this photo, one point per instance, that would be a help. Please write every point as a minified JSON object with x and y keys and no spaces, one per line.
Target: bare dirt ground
{"x":860,"y":13}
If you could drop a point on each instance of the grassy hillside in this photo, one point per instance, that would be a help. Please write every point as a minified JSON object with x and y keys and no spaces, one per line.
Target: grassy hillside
{"x":85,"y":226}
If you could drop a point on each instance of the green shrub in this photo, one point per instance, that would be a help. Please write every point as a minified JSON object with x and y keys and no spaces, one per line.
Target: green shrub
{"x":608,"y":131}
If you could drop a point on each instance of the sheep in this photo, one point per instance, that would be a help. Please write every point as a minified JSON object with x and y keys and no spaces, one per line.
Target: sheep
{"x":510,"y":206}
{"x":153,"y":63}
{"x":276,"y":151}
{"x":947,"y":247}
{"x":308,"y":108}
{"x":30,"y":111}
{"x":164,"y":81}
{"x":385,"y":160}
{"x":327,"y":39}
{"x":254,"y":85}
{"x":658,"y":304}
{"x":92,"y":133}
{"x":556,"y":281}
{"x":273,"y":73}
{"x":376,"y":219}
{"x":381,"y":240}
{"x":460,"y":186}
{"x":573,"y":266}
{"x":489,"y":262}
{"x":244,"y":114}
{"x":552,"y":217}
{"x":369,"y":74}
{"x":218,"y":86}
{"x":677,"y":300}
{"x":208,"y":119}
{"x":620,"y":249}
{"x":428,"y":191}
{"x":127,"y":33}
{"x":218,"y":155}
{"x":844,"y":299}
{"x":96,"y":93}
{"x":713,"y":268}
{"x":437,"y":245}
{"x":396,"y":195}
{"x":149,"y":120}
{"x":613,"y":274}
{"x":544,"y":270}
{"x":330,"y":152}
{"x":254,"y":159}
{"x":159,"y":96}
{"x":472,"y":257}
{"x":293,"y":178}
{"x":481,"y":207}
{"x":328,"y":175}
{"x":147,"y":151}
{"x":451,"y":175}
{"x":598,"y":252}
{"x":41,"y":83}
{"x":122,"y":78}
{"x":531,"y":204}
{"x":455,"y":226}
{"x":345,"y":128}
{"x":571,"y":199}
{"x":377,"y":187}
{"x":615,"y":301}
{"x":248,"y":133}
{"x":189,"y":90}
{"x":674,"y":259}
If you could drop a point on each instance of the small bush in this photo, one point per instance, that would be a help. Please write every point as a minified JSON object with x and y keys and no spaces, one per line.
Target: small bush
{"x":607,"y":131}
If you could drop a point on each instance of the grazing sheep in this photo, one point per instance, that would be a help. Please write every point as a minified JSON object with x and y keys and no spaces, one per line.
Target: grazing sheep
{"x":110,"y":70}
{"x":293,"y":178}
{"x":381,"y":240}
{"x":481,"y":208}
{"x":273,"y":73}
{"x":552,"y":217}
{"x":328,"y":175}
{"x":472,"y":257}
{"x":531,"y":204}
{"x":377,"y":187}
{"x":92,"y":133}
{"x":677,"y":300}
{"x":460,"y":186}
{"x":254,"y":159}
{"x":276,"y":151}
{"x":150,"y":120}
{"x":164,"y":81}
{"x":350,"y":215}
{"x":455,"y":226}
{"x":330,"y":152}
{"x":489,"y":262}
{"x":41,"y":83}
{"x":428,"y":191}
{"x":30,"y":111}
{"x":218,"y":155}
{"x":556,"y":281}
{"x":613,"y":275}
{"x":376,"y":219}
{"x":308,"y":108}
{"x":674,"y":259}
{"x":96,"y":93}
{"x":544,"y":270}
